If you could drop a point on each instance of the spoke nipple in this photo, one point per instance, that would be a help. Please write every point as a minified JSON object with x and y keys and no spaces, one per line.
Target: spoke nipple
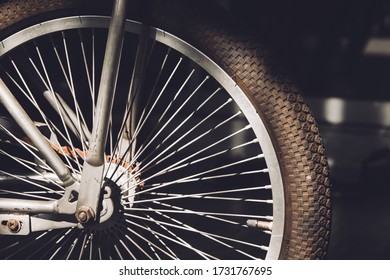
{"x":85,"y":214}
{"x":14,"y":225}
{"x":259,"y":224}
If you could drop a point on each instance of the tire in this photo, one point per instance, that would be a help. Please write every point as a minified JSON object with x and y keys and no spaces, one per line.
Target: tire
{"x":262,"y":165}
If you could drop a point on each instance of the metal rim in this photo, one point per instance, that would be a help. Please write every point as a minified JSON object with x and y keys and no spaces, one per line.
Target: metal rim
{"x":47,"y":29}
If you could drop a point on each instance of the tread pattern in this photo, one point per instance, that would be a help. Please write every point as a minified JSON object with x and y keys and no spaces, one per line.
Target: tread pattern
{"x":289,"y":120}
{"x":287,"y":117}
{"x":12,"y":12}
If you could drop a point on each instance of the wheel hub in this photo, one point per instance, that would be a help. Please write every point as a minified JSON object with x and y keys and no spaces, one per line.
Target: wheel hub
{"x":120,"y":185}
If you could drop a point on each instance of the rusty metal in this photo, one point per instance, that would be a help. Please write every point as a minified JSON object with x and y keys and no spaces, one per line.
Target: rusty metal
{"x":84,"y":214}
{"x":14,"y":225}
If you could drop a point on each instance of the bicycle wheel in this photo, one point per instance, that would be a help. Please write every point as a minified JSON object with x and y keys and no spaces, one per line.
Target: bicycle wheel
{"x":211,"y":154}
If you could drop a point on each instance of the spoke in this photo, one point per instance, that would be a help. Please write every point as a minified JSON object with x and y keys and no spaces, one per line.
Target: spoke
{"x":212,"y":130}
{"x":45,"y":169}
{"x":93,"y":73}
{"x":100,"y":253}
{"x":135,"y":86}
{"x":153,"y":131}
{"x":69,"y":79}
{"x":143,"y":120}
{"x":142,"y":59}
{"x":27,"y":147}
{"x":160,"y":240}
{"x":91,"y":248}
{"x":61,"y":150}
{"x":76,"y":240}
{"x":10,"y":246}
{"x":194,"y":176}
{"x":24,"y":244}
{"x":180,"y":210}
{"x":182,"y":226}
{"x":91,"y":81}
{"x":155,"y":253}
{"x":192,"y":155}
{"x":176,"y":165}
{"x":174,"y":196}
{"x":31,"y":182}
{"x":80,"y":130}
{"x":172,"y":240}
{"x":27,"y":194}
{"x":150,"y":243}
{"x":65,"y":236}
{"x":174,"y":131}
{"x":49,"y":242}
{"x":161,"y":225}
{"x":57,"y":105}
{"x":82,"y":248}
{"x":79,"y":114}
{"x":198,"y":214}
{"x":129,"y":251}
{"x":47,"y":86}
{"x":166,"y":123}
{"x":156,"y":134}
{"x":30,"y":168}
{"x":111,"y":138}
{"x":31,"y":98}
{"x":118,"y":252}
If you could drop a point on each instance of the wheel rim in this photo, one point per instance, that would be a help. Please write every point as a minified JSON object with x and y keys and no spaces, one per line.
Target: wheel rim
{"x":203,"y":163}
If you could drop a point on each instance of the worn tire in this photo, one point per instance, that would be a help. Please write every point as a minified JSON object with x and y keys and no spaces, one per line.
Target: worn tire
{"x":289,"y":121}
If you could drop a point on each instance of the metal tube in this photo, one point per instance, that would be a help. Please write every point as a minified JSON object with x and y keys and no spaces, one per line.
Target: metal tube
{"x":39,"y":141}
{"x":11,"y":205}
{"x":92,"y":177}
{"x":67,"y":113}
{"x":107,"y":84}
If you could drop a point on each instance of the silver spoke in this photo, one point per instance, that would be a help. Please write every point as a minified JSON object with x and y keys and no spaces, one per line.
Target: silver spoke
{"x":86,"y":66}
{"x":191,"y":156}
{"x":143,"y":120}
{"x":136,"y":245}
{"x":67,"y":235}
{"x":150,"y":243}
{"x":182,"y":226}
{"x":2,"y":152}
{"x":176,"y":166}
{"x":194,"y":176}
{"x":181,"y":154}
{"x":69,"y":80}
{"x":162,"y":226}
{"x":172,"y":240}
{"x":207,"y":195}
{"x":202,"y":213}
{"x":26,"y":194}
{"x":177,"y":128}
{"x":57,"y":105}
{"x":32,"y":183}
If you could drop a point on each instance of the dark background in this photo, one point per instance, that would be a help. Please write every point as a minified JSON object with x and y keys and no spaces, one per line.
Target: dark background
{"x":339,"y":54}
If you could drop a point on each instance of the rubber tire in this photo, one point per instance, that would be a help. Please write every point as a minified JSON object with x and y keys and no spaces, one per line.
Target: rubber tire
{"x":288,"y":119}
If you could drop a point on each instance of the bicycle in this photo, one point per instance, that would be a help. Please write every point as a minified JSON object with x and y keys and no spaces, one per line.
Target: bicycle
{"x":161,"y":132}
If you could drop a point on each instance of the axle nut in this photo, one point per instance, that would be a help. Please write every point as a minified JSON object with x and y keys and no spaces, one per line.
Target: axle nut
{"x":14,"y":225}
{"x":85,"y":214}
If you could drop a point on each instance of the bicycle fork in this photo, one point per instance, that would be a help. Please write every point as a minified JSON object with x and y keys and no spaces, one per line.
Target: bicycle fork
{"x":80,"y":199}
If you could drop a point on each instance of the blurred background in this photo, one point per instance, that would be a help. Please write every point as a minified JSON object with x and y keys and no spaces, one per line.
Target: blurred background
{"x":339,"y":54}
